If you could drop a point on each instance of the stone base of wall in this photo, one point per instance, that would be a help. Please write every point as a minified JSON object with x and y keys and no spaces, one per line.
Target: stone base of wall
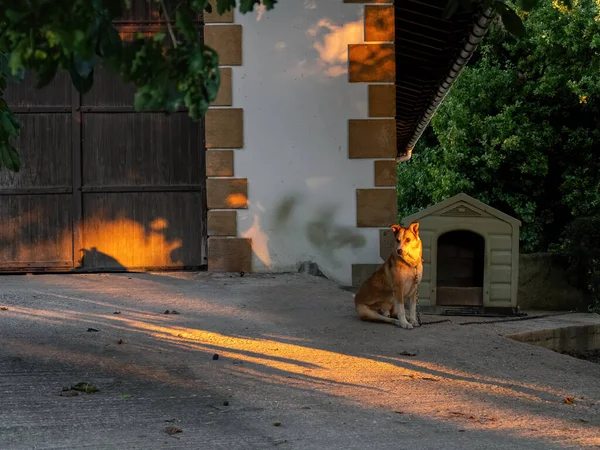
{"x":543,"y":285}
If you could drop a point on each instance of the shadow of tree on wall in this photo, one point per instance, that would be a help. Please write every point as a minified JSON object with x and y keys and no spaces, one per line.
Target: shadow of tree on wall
{"x":323,"y":231}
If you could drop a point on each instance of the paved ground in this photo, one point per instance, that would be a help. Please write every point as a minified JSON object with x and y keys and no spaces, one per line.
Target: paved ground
{"x":291,"y":353}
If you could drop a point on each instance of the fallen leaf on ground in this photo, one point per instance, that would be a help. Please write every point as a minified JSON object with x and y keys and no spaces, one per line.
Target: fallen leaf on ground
{"x":225,"y":403}
{"x":276,"y":424}
{"x":569,"y":400}
{"x":584,"y":420}
{"x":126,"y":395}
{"x":167,"y":312}
{"x":405,"y":353}
{"x":174,"y":430}
{"x":120,"y":341}
{"x":4,"y":308}
{"x":174,"y":312}
{"x":399,"y":412}
{"x":483,"y":420}
{"x":117,"y":312}
{"x":430,"y":379}
{"x":85,"y":387}
{"x":69,"y":394}
{"x":215,"y":356}
{"x":92,"y":329}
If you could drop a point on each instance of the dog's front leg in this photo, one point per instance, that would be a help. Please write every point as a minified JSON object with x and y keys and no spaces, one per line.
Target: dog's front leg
{"x":402,"y":322}
{"x":412,"y":314}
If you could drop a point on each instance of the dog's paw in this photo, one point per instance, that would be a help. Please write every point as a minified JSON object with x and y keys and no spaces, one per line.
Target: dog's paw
{"x":414,"y":323}
{"x":404,"y":324}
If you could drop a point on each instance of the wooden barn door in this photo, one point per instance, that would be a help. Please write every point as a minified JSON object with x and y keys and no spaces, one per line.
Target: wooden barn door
{"x":104,"y":187}
{"x":36,"y":204}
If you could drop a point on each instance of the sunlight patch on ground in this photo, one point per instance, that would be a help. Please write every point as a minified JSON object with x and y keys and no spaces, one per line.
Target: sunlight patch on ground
{"x":427,"y":390}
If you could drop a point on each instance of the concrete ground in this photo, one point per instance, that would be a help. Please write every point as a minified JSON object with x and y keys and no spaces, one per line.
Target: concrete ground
{"x":296,"y":370}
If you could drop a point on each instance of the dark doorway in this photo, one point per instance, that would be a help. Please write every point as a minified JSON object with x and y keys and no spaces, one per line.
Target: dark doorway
{"x":460,"y":268}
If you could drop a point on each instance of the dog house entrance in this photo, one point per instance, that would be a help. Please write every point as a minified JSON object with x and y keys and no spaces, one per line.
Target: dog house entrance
{"x":460,"y":266}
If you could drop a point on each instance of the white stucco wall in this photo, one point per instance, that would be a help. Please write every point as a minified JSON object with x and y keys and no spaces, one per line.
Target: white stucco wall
{"x":293,"y":86}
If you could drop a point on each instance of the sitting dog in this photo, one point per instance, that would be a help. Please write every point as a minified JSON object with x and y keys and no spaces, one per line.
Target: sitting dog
{"x":381,"y":298}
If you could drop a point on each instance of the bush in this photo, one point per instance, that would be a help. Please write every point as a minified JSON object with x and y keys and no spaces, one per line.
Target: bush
{"x":581,"y":247}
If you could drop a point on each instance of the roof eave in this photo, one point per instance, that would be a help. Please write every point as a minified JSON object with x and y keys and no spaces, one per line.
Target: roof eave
{"x":478,"y":31}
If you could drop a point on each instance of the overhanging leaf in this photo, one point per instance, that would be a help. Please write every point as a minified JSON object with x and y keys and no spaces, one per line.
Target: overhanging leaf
{"x":185,"y":24}
{"x":5,"y":69}
{"x":511,"y":21}
{"x":10,"y":157}
{"x":83,"y":85}
{"x":225,"y":5}
{"x":109,"y":42}
{"x":7,"y":125}
{"x":4,"y":59}
{"x":46,"y":75}
{"x":83,"y":66}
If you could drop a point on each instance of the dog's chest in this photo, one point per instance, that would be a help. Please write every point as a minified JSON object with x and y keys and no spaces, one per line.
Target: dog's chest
{"x":411,"y":281}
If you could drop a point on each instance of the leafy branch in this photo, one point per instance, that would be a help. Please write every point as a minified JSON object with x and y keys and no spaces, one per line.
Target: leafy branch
{"x":43,"y":37}
{"x":168,"y":19}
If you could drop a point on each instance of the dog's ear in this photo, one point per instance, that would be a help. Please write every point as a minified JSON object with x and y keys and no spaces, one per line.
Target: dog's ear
{"x":396,"y":228}
{"x":414,"y":227}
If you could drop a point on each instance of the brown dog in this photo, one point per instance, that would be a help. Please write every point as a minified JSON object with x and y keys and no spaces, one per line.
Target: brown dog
{"x":381,"y":298}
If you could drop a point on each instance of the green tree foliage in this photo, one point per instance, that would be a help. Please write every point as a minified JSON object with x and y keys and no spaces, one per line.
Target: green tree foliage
{"x":520,"y":130}
{"x":170,"y":69}
{"x":580,"y":246}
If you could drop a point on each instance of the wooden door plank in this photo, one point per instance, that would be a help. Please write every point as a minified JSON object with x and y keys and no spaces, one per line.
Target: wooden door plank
{"x":35,"y":229}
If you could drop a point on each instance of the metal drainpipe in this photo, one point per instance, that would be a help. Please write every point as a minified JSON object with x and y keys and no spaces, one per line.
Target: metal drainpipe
{"x":480,"y":28}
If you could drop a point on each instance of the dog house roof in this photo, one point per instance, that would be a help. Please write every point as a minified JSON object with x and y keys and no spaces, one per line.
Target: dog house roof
{"x":462,"y":199}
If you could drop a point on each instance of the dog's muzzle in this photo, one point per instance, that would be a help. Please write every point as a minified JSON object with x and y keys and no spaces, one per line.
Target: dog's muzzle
{"x":399,"y":252}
